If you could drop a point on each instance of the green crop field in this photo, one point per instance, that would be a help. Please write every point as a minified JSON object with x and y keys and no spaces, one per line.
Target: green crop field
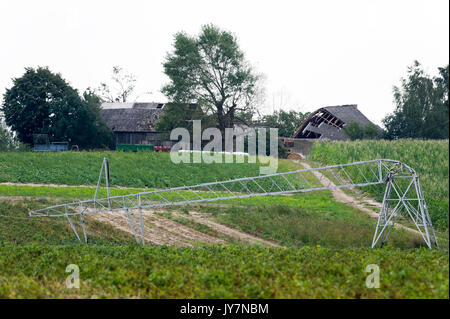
{"x":140,"y":169}
{"x":430,"y":159}
{"x":323,"y":244}
{"x":220,"y":272}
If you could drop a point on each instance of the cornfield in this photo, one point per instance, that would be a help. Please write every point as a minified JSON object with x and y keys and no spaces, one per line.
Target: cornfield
{"x":430,"y":159}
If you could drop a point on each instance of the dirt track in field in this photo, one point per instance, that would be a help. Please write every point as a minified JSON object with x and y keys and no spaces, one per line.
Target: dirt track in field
{"x":159,"y":230}
{"x":361,"y":204}
{"x":225,"y":230}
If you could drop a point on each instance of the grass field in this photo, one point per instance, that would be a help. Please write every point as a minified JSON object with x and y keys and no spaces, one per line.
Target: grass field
{"x":430,"y":159}
{"x":323,"y":251}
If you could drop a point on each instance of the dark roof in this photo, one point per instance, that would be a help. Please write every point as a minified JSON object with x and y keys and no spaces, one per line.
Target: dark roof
{"x":147,"y":105}
{"x":132,"y":105}
{"x":131,"y":120}
{"x":328,"y":121}
{"x":348,"y":113}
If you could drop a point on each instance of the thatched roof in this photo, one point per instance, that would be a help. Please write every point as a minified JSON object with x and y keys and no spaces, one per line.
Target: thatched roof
{"x":327,"y":122}
{"x":131,"y":119}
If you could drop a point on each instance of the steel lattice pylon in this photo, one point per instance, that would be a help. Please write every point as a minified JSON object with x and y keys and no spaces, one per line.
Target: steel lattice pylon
{"x":403,"y":195}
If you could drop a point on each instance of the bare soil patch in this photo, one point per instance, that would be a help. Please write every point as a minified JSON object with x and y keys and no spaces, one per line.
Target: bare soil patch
{"x":228,"y":231}
{"x":159,"y":230}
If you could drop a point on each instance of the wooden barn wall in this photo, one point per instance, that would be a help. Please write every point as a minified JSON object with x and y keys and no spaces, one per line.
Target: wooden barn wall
{"x":136,"y":138}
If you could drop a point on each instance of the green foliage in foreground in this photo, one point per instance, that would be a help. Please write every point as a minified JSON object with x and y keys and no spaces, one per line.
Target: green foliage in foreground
{"x":429,"y":158}
{"x":34,"y":271}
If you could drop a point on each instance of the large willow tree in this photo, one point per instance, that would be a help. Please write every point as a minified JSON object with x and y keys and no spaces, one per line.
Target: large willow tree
{"x":211,"y":70}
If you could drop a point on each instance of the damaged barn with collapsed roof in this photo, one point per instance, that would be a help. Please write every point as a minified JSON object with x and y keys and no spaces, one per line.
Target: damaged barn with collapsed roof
{"x":328,"y":122}
{"x":325,"y":123}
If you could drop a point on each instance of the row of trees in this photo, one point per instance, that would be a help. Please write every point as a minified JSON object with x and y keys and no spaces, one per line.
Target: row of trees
{"x":422,"y":109}
{"x":210,"y":70}
{"x":210,"y":80}
{"x":42,"y":102}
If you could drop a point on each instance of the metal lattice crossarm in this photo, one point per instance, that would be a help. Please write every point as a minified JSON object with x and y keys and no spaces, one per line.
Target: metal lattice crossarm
{"x":400,"y":198}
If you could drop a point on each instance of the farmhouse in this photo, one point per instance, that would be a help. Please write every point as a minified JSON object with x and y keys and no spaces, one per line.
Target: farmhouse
{"x":133,"y":123}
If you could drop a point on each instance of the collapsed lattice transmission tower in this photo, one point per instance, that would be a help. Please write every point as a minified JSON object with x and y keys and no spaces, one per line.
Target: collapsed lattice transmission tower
{"x":402,"y":197}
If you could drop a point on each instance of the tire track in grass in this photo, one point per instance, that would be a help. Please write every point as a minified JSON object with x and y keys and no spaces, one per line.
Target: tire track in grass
{"x":181,"y":230}
{"x":228,"y":231}
{"x":158,"y":230}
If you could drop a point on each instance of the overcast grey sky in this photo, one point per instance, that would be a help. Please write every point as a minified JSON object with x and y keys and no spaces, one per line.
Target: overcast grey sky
{"x":313,"y":53}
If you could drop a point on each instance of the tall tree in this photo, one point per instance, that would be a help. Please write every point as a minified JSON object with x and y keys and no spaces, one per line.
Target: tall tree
{"x":120,"y":88}
{"x":42,"y":102}
{"x":211,"y":70}
{"x":286,"y":121}
{"x":422,"y":109}
{"x":26,"y":105}
{"x":181,"y":115}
